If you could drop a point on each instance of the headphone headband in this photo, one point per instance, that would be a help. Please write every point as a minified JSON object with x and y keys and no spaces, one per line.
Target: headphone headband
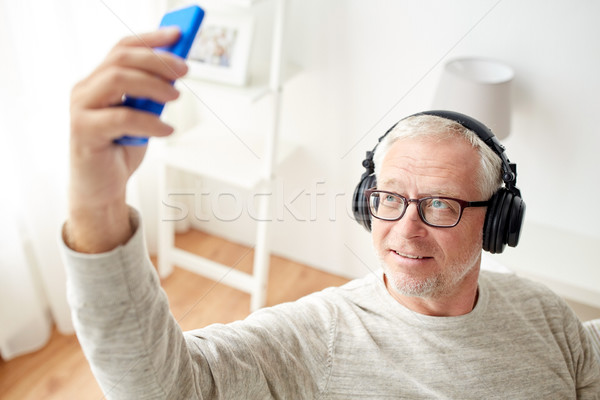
{"x":509,"y":170}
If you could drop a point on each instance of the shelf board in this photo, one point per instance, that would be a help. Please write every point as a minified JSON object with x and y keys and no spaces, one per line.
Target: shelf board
{"x":224,"y":157}
{"x":257,"y":88}
{"x":210,"y":90}
{"x":244,"y":3}
{"x":218,"y":272}
{"x":209,"y":4}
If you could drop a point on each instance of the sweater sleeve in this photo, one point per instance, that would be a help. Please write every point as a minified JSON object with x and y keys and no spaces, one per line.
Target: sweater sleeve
{"x":121,"y":315}
{"x":282,"y":352}
{"x":586,"y":365}
{"x":136,"y":349}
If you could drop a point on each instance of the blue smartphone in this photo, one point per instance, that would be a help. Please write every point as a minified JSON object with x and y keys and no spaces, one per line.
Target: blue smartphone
{"x":188,"y":20}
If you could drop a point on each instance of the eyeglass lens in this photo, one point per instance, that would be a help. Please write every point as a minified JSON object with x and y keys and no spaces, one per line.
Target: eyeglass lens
{"x":434,"y":211}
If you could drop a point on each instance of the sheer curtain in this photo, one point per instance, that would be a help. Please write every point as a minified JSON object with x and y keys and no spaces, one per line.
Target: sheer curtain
{"x":46,"y":47}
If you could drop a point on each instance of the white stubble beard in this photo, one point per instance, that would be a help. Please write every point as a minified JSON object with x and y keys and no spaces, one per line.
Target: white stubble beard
{"x":433,"y":286}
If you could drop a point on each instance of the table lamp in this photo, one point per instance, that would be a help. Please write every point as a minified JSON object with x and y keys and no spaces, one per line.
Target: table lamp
{"x":479,"y":88}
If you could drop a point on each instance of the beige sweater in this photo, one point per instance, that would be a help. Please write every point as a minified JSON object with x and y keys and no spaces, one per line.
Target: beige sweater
{"x":355,"y":342}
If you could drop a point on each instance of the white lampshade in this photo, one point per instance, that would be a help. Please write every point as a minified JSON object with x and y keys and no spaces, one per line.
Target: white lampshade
{"x":479,"y":88}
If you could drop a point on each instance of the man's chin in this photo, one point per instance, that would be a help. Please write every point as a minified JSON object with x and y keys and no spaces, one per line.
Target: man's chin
{"x":412,"y":287}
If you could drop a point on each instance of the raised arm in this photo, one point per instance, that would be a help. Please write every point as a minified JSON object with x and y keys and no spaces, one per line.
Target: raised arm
{"x":98,"y":216}
{"x":134,"y":345}
{"x":122,"y":318}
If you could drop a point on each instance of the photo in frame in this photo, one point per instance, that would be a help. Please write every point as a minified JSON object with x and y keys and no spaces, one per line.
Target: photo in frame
{"x":221,"y":49}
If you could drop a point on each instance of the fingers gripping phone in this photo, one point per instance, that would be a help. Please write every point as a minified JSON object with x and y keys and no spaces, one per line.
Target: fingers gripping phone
{"x":188,"y":20}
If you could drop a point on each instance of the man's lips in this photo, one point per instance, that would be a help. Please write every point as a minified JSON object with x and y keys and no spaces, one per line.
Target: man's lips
{"x":408,"y":255}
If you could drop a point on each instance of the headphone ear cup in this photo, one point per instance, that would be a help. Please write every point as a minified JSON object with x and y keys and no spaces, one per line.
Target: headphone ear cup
{"x":503,"y":217}
{"x":503,"y":221}
{"x":491,"y":222}
{"x":487,"y":224}
{"x":360,"y":207}
{"x":517,"y":214}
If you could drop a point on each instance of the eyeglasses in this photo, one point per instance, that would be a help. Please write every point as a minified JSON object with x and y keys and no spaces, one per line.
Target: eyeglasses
{"x":435,"y":211}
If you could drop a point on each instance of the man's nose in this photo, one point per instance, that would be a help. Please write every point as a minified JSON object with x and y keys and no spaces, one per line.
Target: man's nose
{"x":410,"y":225}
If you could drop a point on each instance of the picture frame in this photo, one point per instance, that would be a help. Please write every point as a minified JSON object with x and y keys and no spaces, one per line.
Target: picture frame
{"x":221,"y":50}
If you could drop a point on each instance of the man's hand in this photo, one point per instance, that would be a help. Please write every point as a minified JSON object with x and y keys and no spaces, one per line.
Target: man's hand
{"x":98,"y":215}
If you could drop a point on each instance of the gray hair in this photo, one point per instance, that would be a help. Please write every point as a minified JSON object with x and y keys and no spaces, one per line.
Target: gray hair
{"x":489,"y":176}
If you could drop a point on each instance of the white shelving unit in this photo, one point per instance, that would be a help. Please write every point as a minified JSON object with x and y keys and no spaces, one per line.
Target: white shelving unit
{"x":229,"y":159}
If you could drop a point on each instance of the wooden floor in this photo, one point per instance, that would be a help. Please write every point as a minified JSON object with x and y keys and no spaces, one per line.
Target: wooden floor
{"x":60,"y":371}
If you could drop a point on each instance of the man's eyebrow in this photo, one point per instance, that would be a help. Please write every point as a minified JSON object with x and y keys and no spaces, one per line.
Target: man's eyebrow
{"x":445,"y":192}
{"x":441,"y":191}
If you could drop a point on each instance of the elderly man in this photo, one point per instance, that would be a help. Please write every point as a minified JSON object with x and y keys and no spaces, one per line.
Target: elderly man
{"x":429,"y":324}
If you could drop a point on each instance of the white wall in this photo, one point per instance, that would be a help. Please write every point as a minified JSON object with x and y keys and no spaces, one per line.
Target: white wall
{"x":368,"y":64}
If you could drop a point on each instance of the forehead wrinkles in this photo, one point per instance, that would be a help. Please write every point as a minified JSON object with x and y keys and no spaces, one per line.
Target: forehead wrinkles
{"x":431,"y":166}
{"x":403,"y":166}
{"x":425,"y":175}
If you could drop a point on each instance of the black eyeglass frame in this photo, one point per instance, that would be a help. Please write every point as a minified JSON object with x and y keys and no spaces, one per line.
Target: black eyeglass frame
{"x":462,"y":203}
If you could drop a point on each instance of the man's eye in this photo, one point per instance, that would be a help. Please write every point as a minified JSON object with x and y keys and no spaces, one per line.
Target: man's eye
{"x":439,"y":204}
{"x":389,"y":200}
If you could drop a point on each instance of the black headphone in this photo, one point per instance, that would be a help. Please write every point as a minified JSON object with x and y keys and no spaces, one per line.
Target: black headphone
{"x":504,"y":216}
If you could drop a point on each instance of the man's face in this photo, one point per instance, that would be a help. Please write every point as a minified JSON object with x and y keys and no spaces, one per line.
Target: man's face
{"x":419,"y":260}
